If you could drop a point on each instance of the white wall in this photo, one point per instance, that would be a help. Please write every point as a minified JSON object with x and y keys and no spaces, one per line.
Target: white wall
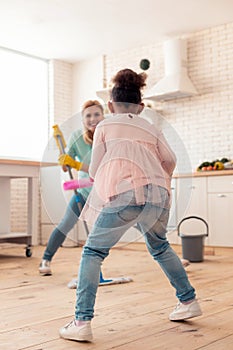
{"x":87,"y":78}
{"x":204,"y":122}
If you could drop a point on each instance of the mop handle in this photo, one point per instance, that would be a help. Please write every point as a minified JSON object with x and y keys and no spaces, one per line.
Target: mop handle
{"x":61,"y":144}
{"x":80,"y":183}
{"x":57,"y":134}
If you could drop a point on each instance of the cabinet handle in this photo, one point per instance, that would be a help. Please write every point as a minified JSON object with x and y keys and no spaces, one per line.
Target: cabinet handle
{"x":220,"y":195}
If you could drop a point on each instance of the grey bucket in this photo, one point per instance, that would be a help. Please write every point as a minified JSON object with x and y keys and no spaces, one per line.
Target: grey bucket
{"x":193,"y":245}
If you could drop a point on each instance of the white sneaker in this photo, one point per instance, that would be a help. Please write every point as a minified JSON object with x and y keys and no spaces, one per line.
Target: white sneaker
{"x":45,"y":268}
{"x":79,"y":333}
{"x":72,"y":284}
{"x":185,"y":311}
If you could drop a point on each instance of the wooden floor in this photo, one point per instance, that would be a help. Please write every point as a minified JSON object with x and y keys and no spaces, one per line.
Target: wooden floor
{"x":131,"y":316}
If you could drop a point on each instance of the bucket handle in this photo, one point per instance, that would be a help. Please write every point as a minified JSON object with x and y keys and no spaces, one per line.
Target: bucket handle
{"x":193,"y":217}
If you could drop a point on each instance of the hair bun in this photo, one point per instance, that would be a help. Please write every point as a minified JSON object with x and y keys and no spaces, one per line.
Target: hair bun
{"x":129,"y":80}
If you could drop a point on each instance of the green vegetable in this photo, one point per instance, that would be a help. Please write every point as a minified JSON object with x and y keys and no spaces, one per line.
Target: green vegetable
{"x":224,"y":160}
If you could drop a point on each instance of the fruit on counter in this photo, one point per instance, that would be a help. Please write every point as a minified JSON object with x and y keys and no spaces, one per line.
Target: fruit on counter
{"x":215,"y":165}
{"x":210,"y":167}
{"x":224,"y":160}
{"x":203,"y":165}
{"x":218,"y":166}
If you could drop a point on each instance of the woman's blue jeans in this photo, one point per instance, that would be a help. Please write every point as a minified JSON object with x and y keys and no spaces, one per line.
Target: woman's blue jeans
{"x":59,"y":234}
{"x":110,"y":226}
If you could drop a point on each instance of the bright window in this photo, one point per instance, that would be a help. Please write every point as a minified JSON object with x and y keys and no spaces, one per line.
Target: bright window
{"x":24,"y":105}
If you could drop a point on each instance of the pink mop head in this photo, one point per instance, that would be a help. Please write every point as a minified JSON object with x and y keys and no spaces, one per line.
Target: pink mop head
{"x":74,"y":184}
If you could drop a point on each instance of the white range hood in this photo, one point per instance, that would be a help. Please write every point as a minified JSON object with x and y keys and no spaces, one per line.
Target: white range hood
{"x":176,"y":82}
{"x":104,"y":94}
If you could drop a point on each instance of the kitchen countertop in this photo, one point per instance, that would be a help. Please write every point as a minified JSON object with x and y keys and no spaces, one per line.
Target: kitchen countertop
{"x":205,"y":173}
{"x":19,"y":162}
{"x":25,"y":162}
{"x":194,"y":174}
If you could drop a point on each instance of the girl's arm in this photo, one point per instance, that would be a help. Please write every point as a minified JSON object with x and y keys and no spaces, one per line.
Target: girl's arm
{"x":168,"y":158}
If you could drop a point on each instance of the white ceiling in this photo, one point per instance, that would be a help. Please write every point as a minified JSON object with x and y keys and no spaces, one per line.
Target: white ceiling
{"x":79,"y":29}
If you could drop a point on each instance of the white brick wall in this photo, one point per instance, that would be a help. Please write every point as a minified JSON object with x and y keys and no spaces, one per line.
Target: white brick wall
{"x":60,"y":110}
{"x":18,"y":205}
{"x":61,"y":90}
{"x":204,"y":122}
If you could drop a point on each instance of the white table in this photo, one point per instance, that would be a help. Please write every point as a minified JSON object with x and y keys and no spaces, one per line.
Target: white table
{"x":10,"y":169}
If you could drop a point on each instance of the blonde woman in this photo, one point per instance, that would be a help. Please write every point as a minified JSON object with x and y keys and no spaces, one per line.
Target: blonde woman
{"x":79,"y":155}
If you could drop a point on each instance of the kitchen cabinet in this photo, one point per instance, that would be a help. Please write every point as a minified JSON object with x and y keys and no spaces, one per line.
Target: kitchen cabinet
{"x":172,"y":223}
{"x":220,"y":210}
{"x":210,"y":196}
{"x":191,"y":197}
{"x":192,"y":200}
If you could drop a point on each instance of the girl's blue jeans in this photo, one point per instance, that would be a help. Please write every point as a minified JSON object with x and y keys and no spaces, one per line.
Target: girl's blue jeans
{"x":59,"y":234}
{"x":110,"y":226}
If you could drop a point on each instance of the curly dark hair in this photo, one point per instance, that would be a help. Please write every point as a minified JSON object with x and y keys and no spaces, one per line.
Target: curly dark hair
{"x":127,"y":86}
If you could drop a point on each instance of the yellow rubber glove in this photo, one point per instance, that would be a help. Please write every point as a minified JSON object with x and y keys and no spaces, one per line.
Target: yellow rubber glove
{"x":67,"y":160}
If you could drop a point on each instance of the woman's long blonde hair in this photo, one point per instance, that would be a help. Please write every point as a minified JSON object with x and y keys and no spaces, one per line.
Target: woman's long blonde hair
{"x":88,"y":134}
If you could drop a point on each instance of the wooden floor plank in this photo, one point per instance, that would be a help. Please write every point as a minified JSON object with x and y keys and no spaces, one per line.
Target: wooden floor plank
{"x":128,"y":316}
